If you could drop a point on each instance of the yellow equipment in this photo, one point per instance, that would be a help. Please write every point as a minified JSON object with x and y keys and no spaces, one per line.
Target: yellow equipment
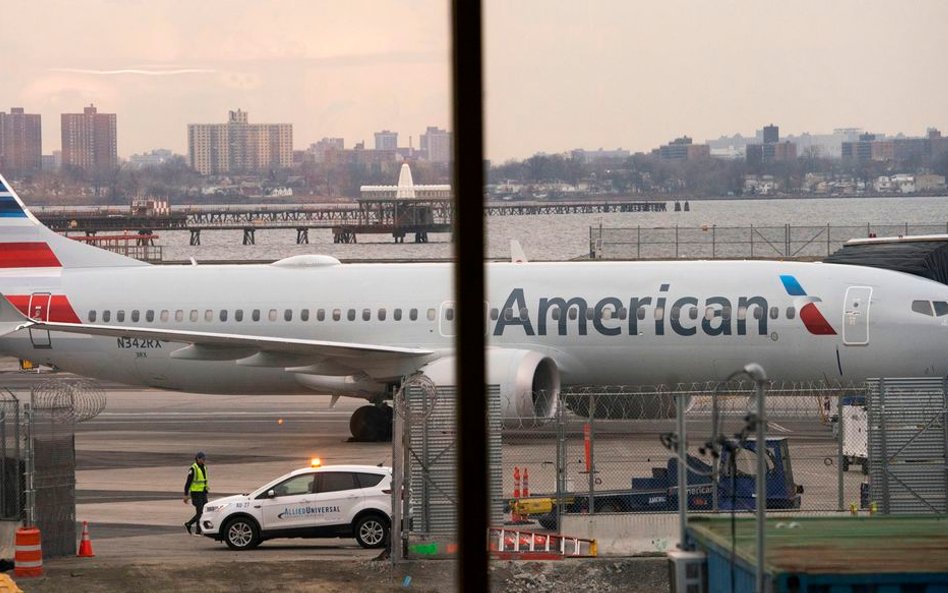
{"x":532,"y":506}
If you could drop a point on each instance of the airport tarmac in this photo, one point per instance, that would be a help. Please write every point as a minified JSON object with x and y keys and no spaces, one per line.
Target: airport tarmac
{"x":131,"y":466}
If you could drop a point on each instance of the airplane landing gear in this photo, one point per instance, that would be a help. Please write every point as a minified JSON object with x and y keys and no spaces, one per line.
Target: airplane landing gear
{"x":372,"y":423}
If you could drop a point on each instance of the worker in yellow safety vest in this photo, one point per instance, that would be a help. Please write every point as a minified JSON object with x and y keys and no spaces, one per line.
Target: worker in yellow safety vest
{"x":195,"y":491}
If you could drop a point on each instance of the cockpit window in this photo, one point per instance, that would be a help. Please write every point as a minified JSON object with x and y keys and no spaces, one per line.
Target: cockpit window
{"x":923,"y":307}
{"x":941,"y":308}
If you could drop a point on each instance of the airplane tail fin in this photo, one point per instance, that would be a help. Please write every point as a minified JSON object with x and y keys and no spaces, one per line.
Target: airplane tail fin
{"x":26,"y":243}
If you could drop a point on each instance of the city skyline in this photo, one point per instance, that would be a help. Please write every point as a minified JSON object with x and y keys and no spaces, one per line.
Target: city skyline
{"x":558,"y":76}
{"x":725,"y":146}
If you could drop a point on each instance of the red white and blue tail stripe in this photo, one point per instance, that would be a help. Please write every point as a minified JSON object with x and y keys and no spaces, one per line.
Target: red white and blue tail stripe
{"x":26,"y":244}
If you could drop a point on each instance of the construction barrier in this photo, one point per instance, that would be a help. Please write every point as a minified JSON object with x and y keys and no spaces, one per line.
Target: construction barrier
{"x":515,"y":517}
{"x":514,"y":544}
{"x":85,"y":546}
{"x":28,"y":553}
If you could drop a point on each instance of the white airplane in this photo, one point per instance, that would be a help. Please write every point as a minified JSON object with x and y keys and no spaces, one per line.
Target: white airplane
{"x":309,"y":323}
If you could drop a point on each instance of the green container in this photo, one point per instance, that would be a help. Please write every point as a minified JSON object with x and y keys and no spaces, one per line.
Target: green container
{"x":827,"y":554}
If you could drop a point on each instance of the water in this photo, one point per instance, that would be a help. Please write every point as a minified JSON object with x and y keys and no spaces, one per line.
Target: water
{"x":562,"y":236}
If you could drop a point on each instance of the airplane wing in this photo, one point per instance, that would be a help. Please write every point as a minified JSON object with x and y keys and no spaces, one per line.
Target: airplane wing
{"x":246,"y":349}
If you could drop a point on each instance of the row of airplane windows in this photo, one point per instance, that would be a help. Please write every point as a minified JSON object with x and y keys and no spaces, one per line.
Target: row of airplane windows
{"x":195,"y":315}
{"x":208,"y":315}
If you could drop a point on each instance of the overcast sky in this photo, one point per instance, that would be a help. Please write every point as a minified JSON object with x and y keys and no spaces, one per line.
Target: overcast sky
{"x":559,"y":74}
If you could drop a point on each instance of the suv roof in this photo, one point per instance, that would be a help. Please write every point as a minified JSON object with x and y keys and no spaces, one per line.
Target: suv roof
{"x":371,"y":469}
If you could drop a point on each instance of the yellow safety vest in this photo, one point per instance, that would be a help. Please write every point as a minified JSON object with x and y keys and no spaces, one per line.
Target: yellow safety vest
{"x":198,"y":479}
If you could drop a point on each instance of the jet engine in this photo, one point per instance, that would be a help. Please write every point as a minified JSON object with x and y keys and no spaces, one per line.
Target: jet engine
{"x":529,"y":383}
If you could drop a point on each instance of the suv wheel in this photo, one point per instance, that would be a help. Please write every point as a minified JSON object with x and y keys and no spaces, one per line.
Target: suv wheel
{"x":371,"y":531}
{"x":241,"y":533}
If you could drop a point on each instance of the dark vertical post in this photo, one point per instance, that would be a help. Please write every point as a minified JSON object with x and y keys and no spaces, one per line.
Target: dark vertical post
{"x":841,"y":433}
{"x":467,"y":89}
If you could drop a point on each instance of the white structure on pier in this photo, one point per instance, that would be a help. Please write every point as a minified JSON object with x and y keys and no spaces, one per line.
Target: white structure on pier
{"x":406,"y":189}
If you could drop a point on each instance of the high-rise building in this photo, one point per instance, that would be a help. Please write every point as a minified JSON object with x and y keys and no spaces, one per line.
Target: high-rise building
{"x":770,"y":152}
{"x":239,"y":146}
{"x":437,"y":145}
{"x":320,"y":152}
{"x":860,"y":150}
{"x":771,"y":134}
{"x":89,"y":140}
{"x":386,"y":140}
{"x":683,"y":149}
{"x":21,"y":142}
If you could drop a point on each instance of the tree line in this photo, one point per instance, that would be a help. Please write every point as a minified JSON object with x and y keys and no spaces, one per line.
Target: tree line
{"x":638,"y":174}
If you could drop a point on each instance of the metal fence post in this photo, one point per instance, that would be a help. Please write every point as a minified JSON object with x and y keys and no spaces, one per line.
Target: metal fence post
{"x":592,"y":454}
{"x":682,"y":454}
{"x":761,"y":480}
{"x":561,"y":463}
{"x":841,"y":427}
{"x":716,"y":459}
{"x":399,"y":469}
{"x":29,"y":475}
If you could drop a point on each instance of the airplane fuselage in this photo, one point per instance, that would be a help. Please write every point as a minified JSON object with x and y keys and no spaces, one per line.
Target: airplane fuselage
{"x":601,"y":322}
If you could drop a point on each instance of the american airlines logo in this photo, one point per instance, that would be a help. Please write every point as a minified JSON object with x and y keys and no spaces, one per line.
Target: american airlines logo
{"x":684,"y":316}
{"x":810,"y":314}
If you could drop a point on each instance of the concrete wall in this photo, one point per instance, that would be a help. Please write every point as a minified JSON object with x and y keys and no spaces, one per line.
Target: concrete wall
{"x":625,"y":534}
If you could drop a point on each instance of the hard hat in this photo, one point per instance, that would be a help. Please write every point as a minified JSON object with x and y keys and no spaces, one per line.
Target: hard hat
{"x":200,"y":455}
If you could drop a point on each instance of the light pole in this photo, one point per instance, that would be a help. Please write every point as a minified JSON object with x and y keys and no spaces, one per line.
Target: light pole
{"x":759,"y":376}
{"x":757,"y":373}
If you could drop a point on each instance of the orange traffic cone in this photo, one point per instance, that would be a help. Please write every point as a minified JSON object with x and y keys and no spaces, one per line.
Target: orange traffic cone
{"x":85,"y":545}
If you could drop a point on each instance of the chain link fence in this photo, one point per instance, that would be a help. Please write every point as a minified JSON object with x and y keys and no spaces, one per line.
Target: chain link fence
{"x":609,"y":450}
{"x":12,"y":468}
{"x":424,"y":472}
{"x":52,"y":458}
{"x":38,"y":458}
{"x":739,"y":242}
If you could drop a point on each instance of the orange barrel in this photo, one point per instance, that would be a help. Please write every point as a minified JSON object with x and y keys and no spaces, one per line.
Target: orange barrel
{"x":28,"y":553}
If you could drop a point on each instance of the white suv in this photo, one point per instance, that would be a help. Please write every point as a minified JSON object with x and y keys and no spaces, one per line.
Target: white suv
{"x":329,"y":501}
